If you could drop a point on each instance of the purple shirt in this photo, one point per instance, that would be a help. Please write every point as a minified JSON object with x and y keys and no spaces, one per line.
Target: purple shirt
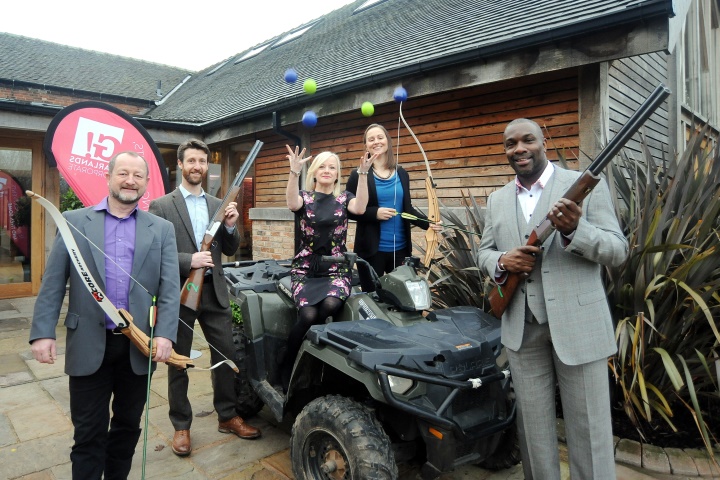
{"x":119,"y":251}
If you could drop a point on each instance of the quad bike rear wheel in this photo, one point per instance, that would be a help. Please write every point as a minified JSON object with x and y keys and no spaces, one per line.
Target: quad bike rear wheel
{"x":335,"y":438}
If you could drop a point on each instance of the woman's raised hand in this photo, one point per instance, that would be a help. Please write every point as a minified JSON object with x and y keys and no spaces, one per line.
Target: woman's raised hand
{"x":366,"y":162}
{"x":296,"y":159}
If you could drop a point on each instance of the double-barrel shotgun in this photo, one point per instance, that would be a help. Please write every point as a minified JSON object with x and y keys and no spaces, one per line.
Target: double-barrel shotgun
{"x":192,"y":289}
{"x":501,"y":295}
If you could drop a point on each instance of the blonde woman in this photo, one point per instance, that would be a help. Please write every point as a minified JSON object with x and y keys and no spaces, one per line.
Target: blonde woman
{"x":320,"y":288}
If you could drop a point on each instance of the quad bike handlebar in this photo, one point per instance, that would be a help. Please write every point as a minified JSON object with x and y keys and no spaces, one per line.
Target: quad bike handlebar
{"x":351,"y":258}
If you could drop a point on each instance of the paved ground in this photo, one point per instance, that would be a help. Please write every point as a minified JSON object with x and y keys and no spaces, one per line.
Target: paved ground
{"x":36,"y":432}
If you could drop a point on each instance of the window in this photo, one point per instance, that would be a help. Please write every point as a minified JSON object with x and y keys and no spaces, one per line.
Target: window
{"x":293,"y":35}
{"x":366,"y":5}
{"x":216,"y":68}
{"x":699,"y":71}
{"x":252,"y":53}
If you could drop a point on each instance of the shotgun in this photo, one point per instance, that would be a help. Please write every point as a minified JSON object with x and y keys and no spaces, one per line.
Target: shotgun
{"x":500,"y":297}
{"x":192,"y":289}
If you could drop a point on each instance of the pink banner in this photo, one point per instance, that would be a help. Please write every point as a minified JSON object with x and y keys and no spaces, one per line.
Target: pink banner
{"x":11,"y":194}
{"x":83,"y":138}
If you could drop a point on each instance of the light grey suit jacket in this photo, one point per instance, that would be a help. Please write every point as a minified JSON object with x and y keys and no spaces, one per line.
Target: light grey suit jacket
{"x":172,"y":207}
{"x":565,"y":287}
{"x":155,"y":264}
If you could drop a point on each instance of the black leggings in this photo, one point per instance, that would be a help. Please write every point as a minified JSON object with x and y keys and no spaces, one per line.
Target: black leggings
{"x":307,"y":317}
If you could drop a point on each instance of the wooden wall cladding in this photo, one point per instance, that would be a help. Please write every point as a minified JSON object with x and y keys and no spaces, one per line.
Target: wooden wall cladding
{"x":630,"y":82}
{"x":460,"y":130}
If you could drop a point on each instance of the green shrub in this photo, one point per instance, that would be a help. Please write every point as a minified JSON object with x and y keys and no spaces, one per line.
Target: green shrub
{"x":236,"y":313}
{"x":456,"y":280}
{"x":665,"y":296}
{"x":70,"y":201}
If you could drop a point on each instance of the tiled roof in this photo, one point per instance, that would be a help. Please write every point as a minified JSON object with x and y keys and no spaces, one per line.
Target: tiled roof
{"x":35,"y":61}
{"x":385,"y":41}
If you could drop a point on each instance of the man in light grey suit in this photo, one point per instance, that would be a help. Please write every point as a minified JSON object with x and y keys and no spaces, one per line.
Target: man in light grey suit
{"x":139,"y":247}
{"x":557,"y":327}
{"x":189,"y":208}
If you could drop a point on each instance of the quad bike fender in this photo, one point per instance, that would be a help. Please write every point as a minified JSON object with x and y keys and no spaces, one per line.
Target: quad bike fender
{"x":312,"y":355}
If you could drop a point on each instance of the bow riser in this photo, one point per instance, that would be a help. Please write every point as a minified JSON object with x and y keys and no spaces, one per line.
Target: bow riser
{"x":431,"y":236}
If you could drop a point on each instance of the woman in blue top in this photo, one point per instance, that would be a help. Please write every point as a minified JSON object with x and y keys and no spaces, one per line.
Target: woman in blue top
{"x":382,"y":237}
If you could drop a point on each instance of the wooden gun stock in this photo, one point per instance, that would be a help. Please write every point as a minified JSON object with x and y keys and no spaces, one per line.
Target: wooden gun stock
{"x":191,"y":291}
{"x":501,"y":295}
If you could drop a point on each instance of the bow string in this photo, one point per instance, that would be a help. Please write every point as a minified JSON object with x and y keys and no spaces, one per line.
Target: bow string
{"x":117,"y":317}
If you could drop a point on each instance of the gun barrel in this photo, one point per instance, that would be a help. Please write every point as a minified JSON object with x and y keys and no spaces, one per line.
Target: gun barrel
{"x":235,"y":186}
{"x":248,"y":162}
{"x":501,"y":296}
{"x":644,"y":111}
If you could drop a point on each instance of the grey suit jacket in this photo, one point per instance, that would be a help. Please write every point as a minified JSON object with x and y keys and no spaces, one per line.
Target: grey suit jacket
{"x":155,"y":262}
{"x":565,"y":287}
{"x":172,"y":207}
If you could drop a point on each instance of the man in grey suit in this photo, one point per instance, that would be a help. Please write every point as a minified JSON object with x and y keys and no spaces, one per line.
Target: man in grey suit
{"x":100,"y":361}
{"x":557,"y":327}
{"x":189,"y":208}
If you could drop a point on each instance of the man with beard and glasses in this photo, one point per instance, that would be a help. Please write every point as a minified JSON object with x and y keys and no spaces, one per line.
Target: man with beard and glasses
{"x":100,"y":361}
{"x":557,"y":328}
{"x":189,"y":208}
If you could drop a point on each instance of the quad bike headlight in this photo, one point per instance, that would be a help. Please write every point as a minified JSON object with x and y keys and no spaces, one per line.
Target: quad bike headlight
{"x":419,"y":293}
{"x":399,"y":385}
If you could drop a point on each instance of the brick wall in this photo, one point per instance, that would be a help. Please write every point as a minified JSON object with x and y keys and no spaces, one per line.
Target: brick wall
{"x":272,"y":239}
{"x":276,"y":239}
{"x":25,"y":94}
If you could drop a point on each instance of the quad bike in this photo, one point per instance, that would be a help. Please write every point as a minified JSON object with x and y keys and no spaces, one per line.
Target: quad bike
{"x":384,"y":382}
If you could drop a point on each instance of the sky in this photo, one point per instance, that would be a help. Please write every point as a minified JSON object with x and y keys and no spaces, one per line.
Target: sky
{"x":191,"y":35}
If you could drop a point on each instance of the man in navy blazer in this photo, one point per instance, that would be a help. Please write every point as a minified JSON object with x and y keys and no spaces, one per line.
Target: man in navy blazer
{"x":558,"y":327}
{"x":139,"y":261}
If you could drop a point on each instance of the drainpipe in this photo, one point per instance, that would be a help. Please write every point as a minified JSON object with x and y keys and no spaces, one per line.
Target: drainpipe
{"x":277,"y":129}
{"x":298,"y":143}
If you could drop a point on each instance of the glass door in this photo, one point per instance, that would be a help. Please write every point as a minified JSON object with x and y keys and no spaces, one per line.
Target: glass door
{"x":20,"y":241}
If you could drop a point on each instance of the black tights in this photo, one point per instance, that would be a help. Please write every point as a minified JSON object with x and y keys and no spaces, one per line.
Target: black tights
{"x":307,"y":317}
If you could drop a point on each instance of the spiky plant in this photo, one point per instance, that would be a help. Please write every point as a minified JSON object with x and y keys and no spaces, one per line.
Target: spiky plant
{"x":665,"y":297}
{"x":456,"y":280}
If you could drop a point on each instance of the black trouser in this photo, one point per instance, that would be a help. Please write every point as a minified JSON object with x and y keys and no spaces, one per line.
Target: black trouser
{"x":97,"y":450}
{"x":216,"y":324}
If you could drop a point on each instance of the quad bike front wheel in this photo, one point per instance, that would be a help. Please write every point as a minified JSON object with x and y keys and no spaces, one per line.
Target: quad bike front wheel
{"x":336,"y":438}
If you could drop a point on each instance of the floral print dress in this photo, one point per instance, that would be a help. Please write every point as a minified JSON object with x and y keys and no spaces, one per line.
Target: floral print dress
{"x":323,"y":231}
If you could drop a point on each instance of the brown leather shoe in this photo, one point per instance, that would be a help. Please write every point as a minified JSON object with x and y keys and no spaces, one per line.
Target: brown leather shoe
{"x":238,"y":426}
{"x":181,"y":445}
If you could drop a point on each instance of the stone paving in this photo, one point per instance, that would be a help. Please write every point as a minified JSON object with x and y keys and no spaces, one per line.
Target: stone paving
{"x":36,"y":432}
